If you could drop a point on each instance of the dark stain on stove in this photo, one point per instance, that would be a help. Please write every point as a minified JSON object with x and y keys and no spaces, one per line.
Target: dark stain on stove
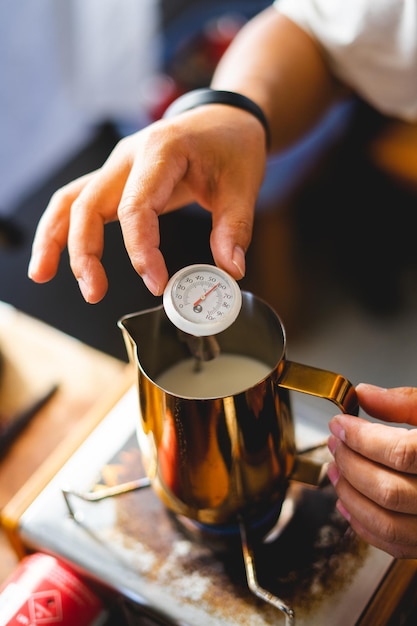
{"x":313,"y":557}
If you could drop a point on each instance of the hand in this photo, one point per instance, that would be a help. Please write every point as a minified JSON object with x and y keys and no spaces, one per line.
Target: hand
{"x":214,"y":155}
{"x":375,"y":469}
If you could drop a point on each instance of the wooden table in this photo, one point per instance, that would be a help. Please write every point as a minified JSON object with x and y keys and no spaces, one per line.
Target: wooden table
{"x":35,"y":357}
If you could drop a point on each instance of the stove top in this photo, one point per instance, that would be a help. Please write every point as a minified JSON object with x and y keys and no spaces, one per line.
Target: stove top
{"x":131,"y":543}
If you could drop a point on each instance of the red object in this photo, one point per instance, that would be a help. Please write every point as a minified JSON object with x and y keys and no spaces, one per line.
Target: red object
{"x":42,"y":591}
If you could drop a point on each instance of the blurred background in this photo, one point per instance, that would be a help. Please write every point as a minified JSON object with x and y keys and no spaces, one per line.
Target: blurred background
{"x":332,"y":251}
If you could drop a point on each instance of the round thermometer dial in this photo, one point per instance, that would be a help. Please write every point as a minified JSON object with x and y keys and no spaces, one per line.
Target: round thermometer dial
{"x":202,"y":300}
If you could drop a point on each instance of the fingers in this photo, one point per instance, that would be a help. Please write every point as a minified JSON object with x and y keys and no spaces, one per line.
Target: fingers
{"x":392,"y":531}
{"x":126,"y":188}
{"x":153,"y":185}
{"x":392,"y":447}
{"x":52,"y":232}
{"x":393,"y":405}
{"x":233,"y":210}
{"x":230,"y":238}
{"x":375,"y":477}
{"x":164,"y":166}
{"x":75,"y":216}
{"x":174,"y":162}
{"x":85,"y":247}
{"x":389,"y":487}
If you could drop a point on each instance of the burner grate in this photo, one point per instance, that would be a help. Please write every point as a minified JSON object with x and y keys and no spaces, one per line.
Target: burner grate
{"x":248,"y":537}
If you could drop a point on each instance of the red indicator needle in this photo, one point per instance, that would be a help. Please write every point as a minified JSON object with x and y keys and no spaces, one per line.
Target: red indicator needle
{"x":204,"y":296}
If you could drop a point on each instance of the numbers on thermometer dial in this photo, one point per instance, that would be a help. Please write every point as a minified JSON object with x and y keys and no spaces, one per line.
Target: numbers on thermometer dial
{"x":202,"y":300}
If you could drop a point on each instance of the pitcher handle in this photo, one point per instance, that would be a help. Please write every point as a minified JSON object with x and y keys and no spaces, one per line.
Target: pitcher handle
{"x":320,"y":383}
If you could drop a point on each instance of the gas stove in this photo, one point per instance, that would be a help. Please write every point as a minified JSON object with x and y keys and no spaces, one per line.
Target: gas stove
{"x":166,"y":570}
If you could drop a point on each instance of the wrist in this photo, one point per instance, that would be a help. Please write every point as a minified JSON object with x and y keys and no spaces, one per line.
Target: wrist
{"x":200,"y":97}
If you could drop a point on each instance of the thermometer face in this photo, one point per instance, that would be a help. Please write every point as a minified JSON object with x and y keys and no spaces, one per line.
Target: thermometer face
{"x":202,"y":300}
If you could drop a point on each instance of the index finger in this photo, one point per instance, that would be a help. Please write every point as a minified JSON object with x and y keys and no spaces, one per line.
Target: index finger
{"x":398,"y":404}
{"x":94,"y":206}
{"x":391,"y":446}
{"x":51,"y":234}
{"x":150,"y":188}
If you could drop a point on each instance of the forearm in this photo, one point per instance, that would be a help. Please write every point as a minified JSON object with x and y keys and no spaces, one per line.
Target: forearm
{"x":281,"y":68}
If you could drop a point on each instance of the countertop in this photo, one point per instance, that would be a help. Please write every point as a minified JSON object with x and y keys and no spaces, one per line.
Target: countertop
{"x":35,"y":357}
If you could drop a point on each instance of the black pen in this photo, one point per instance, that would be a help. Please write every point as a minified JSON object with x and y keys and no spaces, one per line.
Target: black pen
{"x":15,"y":425}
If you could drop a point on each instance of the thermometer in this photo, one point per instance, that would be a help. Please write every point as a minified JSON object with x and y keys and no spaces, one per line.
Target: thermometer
{"x":202,"y":300}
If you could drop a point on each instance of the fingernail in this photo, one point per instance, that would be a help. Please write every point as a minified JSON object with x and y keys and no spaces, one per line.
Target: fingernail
{"x":333,"y":473}
{"x":33,"y":266}
{"x":337,"y":429}
{"x":332,"y":444}
{"x":368,"y":387}
{"x":84,"y":288}
{"x":152,"y":285}
{"x":238,"y":259}
{"x":344,"y":512}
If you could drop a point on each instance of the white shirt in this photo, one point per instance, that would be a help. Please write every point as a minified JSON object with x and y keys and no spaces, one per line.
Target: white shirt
{"x":371,"y":45}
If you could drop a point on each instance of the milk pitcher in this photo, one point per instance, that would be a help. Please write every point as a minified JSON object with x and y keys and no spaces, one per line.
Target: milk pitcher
{"x":223,"y":446}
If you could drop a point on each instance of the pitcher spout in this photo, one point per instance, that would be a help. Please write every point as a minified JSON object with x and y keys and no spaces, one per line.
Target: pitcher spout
{"x":151,"y":340}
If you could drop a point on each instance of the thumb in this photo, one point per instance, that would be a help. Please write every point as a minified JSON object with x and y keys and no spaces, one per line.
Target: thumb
{"x":398,"y":404}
